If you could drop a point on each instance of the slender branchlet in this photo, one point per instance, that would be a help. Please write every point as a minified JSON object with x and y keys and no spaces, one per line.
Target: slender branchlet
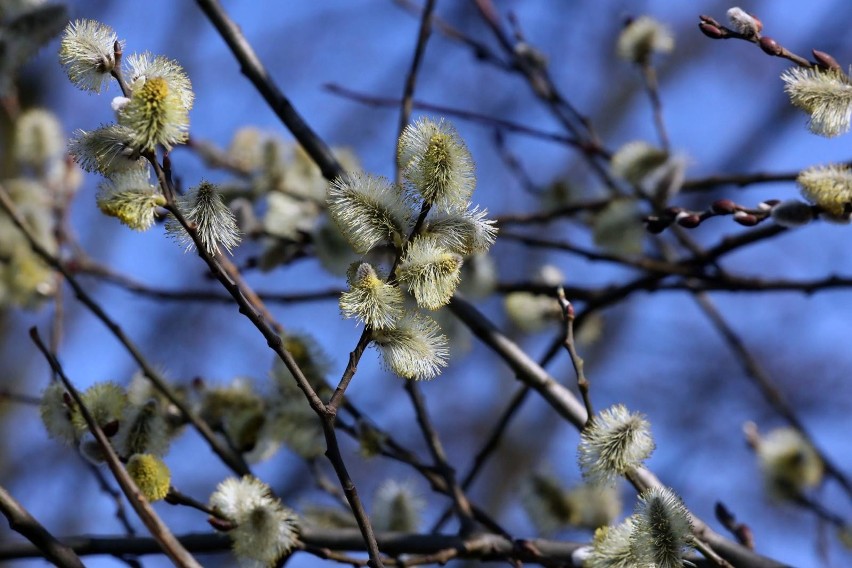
{"x":106,"y":150}
{"x":88,"y":55}
{"x":643,"y":37}
{"x":830,"y":187}
{"x":824,"y":94}
{"x":151,"y":475}
{"x":430,"y":271}
{"x":397,"y":507}
{"x":414,"y":348}
{"x":264,"y":530}
{"x":613,"y":443}
{"x":662,"y":529}
{"x":369,"y":210}
{"x":215,"y":223}
{"x":370,"y":299}
{"x":129,"y":196}
{"x":437,"y":164}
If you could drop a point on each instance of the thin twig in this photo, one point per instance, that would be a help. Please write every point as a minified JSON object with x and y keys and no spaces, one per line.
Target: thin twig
{"x":566,"y":405}
{"x":759,"y":377}
{"x":466,"y":115}
{"x":571,"y":347}
{"x":254,"y":70}
{"x":89,"y":267}
{"x":232,"y":460}
{"x":23,"y":523}
{"x":649,"y":75}
{"x":433,"y":441}
{"x":164,"y":537}
{"x":411,"y":75}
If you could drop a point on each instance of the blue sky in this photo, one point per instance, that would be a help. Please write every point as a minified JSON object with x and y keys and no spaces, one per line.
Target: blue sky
{"x":725,"y":110}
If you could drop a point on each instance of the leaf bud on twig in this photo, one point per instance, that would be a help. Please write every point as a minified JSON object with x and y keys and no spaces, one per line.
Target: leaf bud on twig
{"x":825,"y":60}
{"x":688,"y":220}
{"x":745,"y":219}
{"x":709,"y":20}
{"x":711,"y":31}
{"x":770,"y":46}
{"x":723,"y":207}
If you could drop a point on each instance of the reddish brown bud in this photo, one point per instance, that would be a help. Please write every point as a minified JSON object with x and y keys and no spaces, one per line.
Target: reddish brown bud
{"x":709,"y":20}
{"x":110,"y":429}
{"x":745,"y":219}
{"x":723,"y":207}
{"x":825,"y":61}
{"x":689,"y":221}
{"x":657,"y":225}
{"x":770,"y":46}
{"x":711,"y":31}
{"x":220,"y":525}
{"x":758,"y":24}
